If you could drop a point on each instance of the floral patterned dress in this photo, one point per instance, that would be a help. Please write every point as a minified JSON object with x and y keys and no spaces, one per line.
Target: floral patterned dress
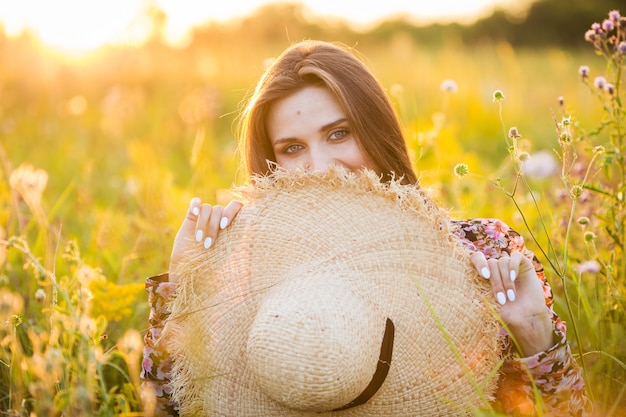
{"x":554,"y":374}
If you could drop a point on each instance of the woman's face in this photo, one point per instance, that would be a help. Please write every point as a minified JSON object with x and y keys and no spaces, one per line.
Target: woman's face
{"x":309,"y":130}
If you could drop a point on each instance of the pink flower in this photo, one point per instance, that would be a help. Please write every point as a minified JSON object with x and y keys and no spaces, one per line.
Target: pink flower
{"x":599,"y":82}
{"x":592,"y":267}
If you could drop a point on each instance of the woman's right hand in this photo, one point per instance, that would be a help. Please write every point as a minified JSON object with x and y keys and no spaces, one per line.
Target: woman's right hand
{"x":201,"y":226}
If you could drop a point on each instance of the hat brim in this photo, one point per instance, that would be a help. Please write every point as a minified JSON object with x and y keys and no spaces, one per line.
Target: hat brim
{"x":405,"y":264}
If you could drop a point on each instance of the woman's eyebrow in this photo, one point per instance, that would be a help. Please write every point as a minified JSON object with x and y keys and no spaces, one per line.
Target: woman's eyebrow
{"x":322,"y":129}
{"x":333,"y":124}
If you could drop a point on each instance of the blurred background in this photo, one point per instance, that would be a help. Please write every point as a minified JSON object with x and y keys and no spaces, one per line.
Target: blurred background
{"x":118,"y":112}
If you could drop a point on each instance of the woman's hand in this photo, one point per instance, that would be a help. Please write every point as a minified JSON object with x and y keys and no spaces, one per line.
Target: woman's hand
{"x":519,"y":293}
{"x":201,"y":226}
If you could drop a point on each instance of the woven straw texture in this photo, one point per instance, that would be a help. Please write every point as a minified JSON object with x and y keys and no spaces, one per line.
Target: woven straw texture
{"x":285,"y":315}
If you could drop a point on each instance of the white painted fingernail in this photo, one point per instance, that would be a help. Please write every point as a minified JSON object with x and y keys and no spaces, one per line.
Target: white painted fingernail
{"x":223,"y":222}
{"x":501,"y":298}
{"x":199,"y":235}
{"x":511,"y":295}
{"x":485,"y":272}
{"x":513,"y":275}
{"x":208,"y":242}
{"x":195,"y":211}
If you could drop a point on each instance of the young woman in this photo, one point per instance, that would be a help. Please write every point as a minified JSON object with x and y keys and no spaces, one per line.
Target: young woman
{"x":317,"y":106}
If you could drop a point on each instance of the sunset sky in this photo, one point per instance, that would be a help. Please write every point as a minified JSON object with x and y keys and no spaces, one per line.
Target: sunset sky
{"x":81,"y":24}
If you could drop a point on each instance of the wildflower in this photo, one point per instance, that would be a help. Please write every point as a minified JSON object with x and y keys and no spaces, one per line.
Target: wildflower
{"x":513,"y":133}
{"x":30,"y":183}
{"x":591,"y":36}
{"x":583,"y":70}
{"x":561,"y":100}
{"x":85,"y":274}
{"x":566,"y":121}
{"x":621,"y":48}
{"x":449,"y":86}
{"x":599,"y":82}
{"x":609,"y":88}
{"x":583,"y":221}
{"x":523,"y":156}
{"x":592,"y":267}
{"x":40,"y":295}
{"x":596,"y":27}
{"x":540,"y":165}
{"x":598,"y":150}
{"x":565,"y":137}
{"x":608,"y":25}
{"x":614,"y":15}
{"x":461,"y":170}
{"x":498,"y":96}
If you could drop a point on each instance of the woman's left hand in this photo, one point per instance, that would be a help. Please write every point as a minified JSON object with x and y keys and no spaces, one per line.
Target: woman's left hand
{"x":521,"y":300}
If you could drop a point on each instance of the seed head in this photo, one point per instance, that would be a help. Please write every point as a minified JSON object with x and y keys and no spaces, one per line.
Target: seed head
{"x":583,"y":221}
{"x":576,"y":191}
{"x":40,"y":295}
{"x":498,"y":96}
{"x":590,"y":237}
{"x":523,"y":156}
{"x":461,"y":170}
{"x":513,"y":133}
{"x":565,"y":137}
{"x":598,"y":150}
{"x":599,"y":82}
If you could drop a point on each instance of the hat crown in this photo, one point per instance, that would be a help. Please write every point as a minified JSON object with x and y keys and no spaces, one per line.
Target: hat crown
{"x":314,"y":343}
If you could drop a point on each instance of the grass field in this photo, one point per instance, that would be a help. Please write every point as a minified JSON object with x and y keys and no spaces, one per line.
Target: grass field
{"x":101,"y":155}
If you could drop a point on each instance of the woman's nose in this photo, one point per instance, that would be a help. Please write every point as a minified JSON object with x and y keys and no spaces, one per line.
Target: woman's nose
{"x":319,"y":161}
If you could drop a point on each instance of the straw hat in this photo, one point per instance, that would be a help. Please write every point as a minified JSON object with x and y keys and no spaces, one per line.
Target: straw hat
{"x":332,"y":294}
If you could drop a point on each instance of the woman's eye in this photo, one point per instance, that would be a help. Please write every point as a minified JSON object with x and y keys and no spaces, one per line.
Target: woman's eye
{"x":292,"y":149}
{"x":339,"y":134}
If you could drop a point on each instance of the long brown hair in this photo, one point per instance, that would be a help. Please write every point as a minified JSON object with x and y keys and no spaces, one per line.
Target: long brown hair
{"x":373,"y":119}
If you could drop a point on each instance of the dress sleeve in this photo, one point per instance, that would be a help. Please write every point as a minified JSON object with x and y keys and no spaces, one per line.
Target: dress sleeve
{"x":554,"y":374}
{"x":157,"y":364}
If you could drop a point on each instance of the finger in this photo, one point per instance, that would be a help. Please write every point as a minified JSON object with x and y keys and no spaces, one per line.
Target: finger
{"x":480,"y":263}
{"x":202,"y":221}
{"x":514,"y":265}
{"x":229,"y":213}
{"x":504,"y":265}
{"x":194,"y":209}
{"x":188,"y":228}
{"x":496,"y":281}
{"x":213,"y":226}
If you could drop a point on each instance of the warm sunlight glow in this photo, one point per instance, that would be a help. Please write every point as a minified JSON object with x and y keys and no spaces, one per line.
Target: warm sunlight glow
{"x":75,"y":25}
{"x":83,"y":25}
